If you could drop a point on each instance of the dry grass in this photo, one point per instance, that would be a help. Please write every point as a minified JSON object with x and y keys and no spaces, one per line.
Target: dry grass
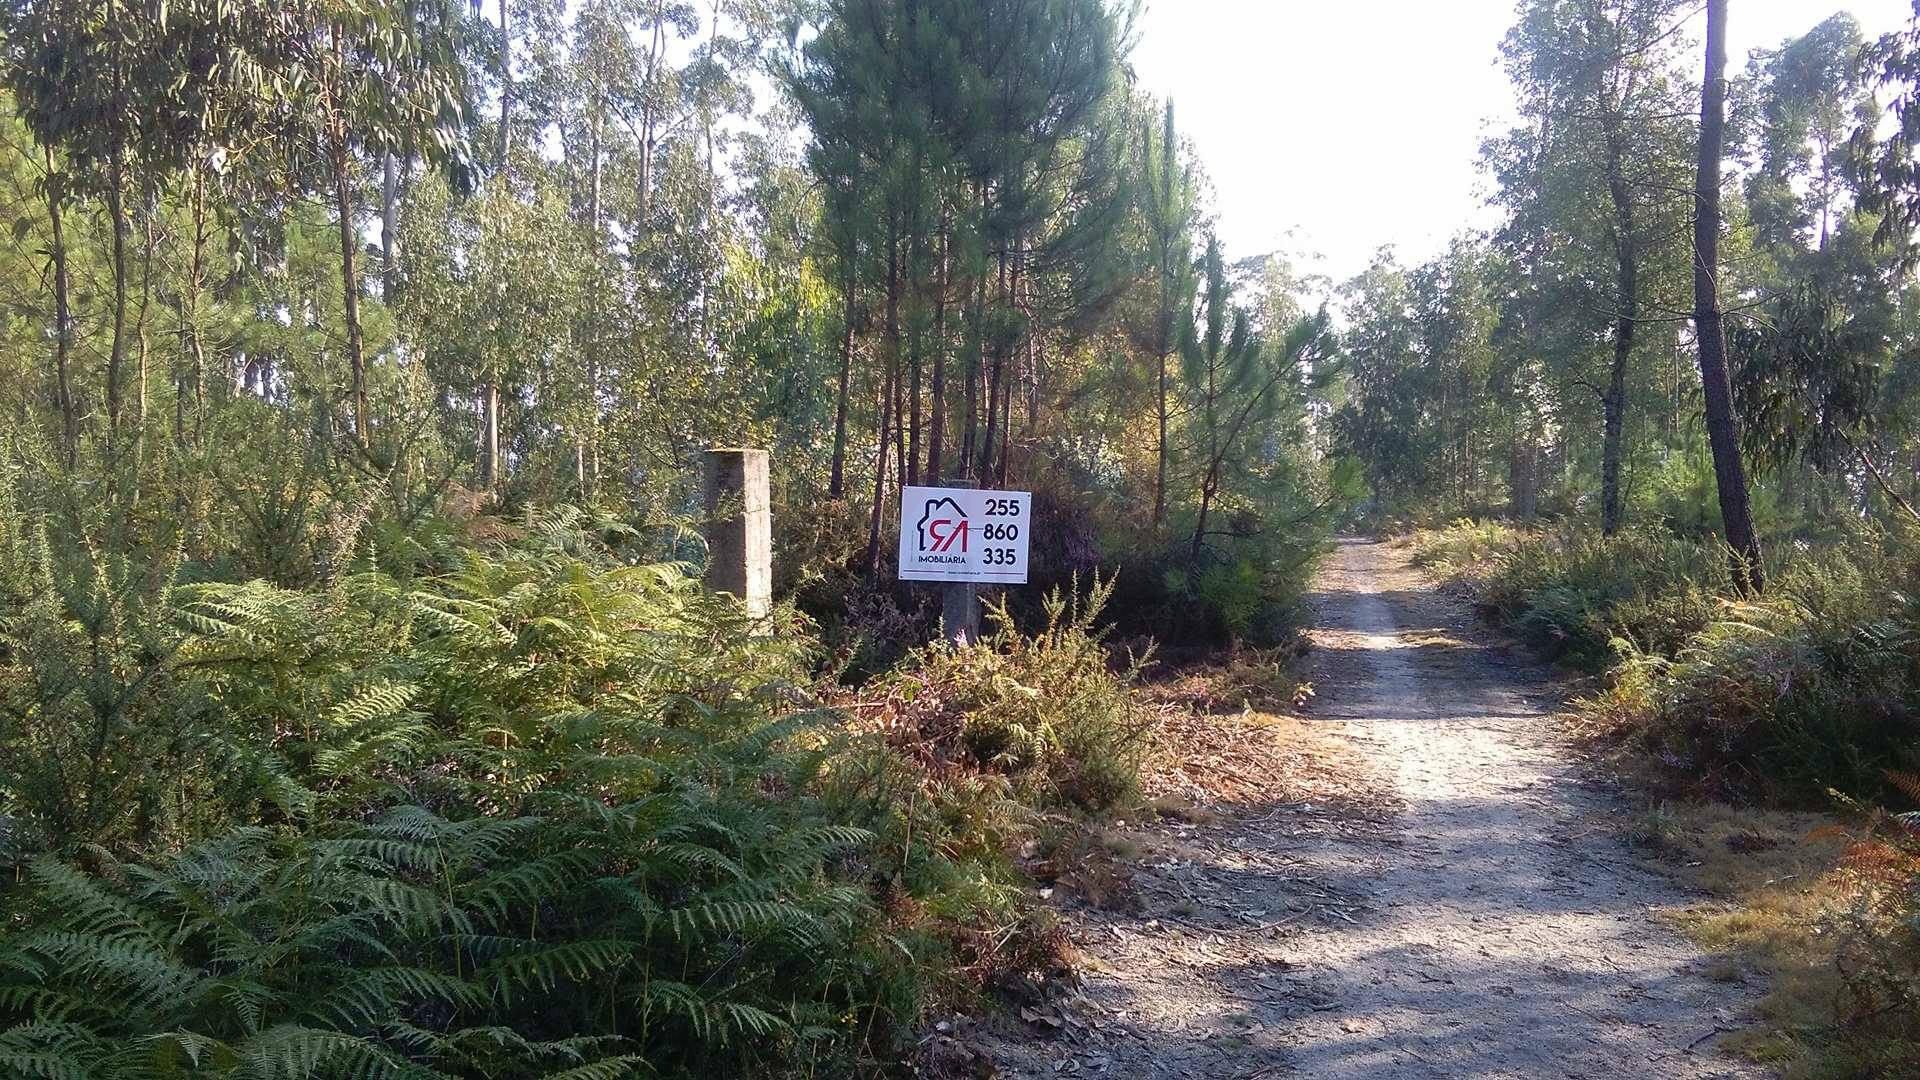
{"x":1775,"y":903}
{"x":1227,"y":740}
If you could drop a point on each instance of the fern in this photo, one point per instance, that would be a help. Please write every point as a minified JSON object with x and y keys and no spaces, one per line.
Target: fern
{"x":535,"y":816}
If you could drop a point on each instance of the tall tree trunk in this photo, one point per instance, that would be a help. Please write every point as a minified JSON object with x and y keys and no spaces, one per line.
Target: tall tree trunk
{"x":117,"y":220}
{"x":910,"y":461}
{"x":193,"y":384}
{"x":1001,"y":470}
{"x":706,"y":115}
{"x":341,"y":158}
{"x":880,"y":473}
{"x":1160,"y":410}
{"x":1166,"y":230}
{"x":62,"y":320}
{"x":995,"y":375}
{"x":1729,"y":474}
{"x":1029,"y":364}
{"x":656,"y":54}
{"x":976,"y":376}
{"x":117,"y":349}
{"x":142,"y":344}
{"x":350,"y":293}
{"x":995,"y":367}
{"x":589,"y":468}
{"x":894,"y":369}
{"x":593,"y":173}
{"x":389,"y":227}
{"x":837,"y":486}
{"x":937,"y":418}
{"x":1210,"y":411}
{"x":1627,"y":267}
{"x":490,"y":435}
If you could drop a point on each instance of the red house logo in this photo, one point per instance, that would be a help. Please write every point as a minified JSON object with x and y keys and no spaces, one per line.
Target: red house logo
{"x":942,"y":524}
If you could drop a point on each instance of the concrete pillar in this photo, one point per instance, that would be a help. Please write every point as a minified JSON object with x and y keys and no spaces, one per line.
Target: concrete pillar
{"x":739,"y":527}
{"x":960,"y":612}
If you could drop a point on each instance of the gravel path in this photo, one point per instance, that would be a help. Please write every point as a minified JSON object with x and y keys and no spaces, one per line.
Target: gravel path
{"x":1494,"y":927}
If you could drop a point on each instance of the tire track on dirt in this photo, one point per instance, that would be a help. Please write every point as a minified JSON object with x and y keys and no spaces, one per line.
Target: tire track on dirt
{"x":1497,"y":927}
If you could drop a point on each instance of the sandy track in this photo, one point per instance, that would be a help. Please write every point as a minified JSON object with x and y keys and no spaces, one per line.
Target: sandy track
{"x":1495,"y":927}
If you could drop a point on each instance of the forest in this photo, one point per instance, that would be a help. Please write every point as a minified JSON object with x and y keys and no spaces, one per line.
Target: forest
{"x":362,"y":711}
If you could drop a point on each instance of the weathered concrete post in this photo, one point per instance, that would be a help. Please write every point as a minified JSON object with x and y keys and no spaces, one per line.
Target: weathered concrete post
{"x":739,"y":527}
{"x":960,"y":602}
{"x":960,"y":612}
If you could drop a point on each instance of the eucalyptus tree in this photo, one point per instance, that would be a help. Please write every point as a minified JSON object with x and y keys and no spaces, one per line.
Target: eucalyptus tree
{"x":1829,"y":280}
{"x":1886,"y":166}
{"x":365,"y":77}
{"x":1593,"y":171}
{"x":91,"y":83}
{"x":1810,"y":95}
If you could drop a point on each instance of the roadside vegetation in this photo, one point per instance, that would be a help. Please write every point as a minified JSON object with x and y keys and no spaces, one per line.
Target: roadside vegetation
{"x":518,"y":808}
{"x":361,"y":710}
{"x":1774,"y":742}
{"x":1668,"y":402}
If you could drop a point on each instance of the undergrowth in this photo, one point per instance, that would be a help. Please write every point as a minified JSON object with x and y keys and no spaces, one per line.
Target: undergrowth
{"x":1807,"y":696}
{"x":1813,"y":687}
{"x":1573,"y":593}
{"x":531,"y":812}
{"x":1878,"y":945}
{"x":1048,"y":712}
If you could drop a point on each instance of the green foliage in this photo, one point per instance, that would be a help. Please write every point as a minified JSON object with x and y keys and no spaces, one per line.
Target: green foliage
{"x":1809,"y":689}
{"x":1813,"y":688}
{"x":1464,"y":549}
{"x":535,"y":813}
{"x":1252,"y":595}
{"x":1049,"y":711}
{"x":91,"y":708}
{"x":1573,"y":593}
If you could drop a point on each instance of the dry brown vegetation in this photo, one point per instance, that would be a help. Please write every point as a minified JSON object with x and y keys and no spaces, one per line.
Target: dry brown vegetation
{"x":1229,"y":738}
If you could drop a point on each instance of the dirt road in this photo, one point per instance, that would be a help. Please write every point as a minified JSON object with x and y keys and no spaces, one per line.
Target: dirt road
{"x":1494,"y":927}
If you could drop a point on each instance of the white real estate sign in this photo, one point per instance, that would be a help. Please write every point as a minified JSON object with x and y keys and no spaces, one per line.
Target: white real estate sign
{"x":964,"y":534}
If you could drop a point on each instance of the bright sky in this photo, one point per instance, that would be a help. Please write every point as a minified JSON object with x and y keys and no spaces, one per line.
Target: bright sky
{"x":1332,"y":127}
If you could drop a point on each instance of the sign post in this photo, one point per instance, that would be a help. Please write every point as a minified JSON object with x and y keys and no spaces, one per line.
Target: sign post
{"x":964,"y":538}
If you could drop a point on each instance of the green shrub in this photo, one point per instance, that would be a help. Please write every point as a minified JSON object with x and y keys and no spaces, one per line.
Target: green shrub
{"x":1814,"y":687}
{"x":1253,"y":596}
{"x":1572,"y":593}
{"x":538,"y":813}
{"x":683,"y":931}
{"x":1464,"y":548}
{"x":1244,"y":584}
{"x":106,"y":734}
{"x":1047,"y":711}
